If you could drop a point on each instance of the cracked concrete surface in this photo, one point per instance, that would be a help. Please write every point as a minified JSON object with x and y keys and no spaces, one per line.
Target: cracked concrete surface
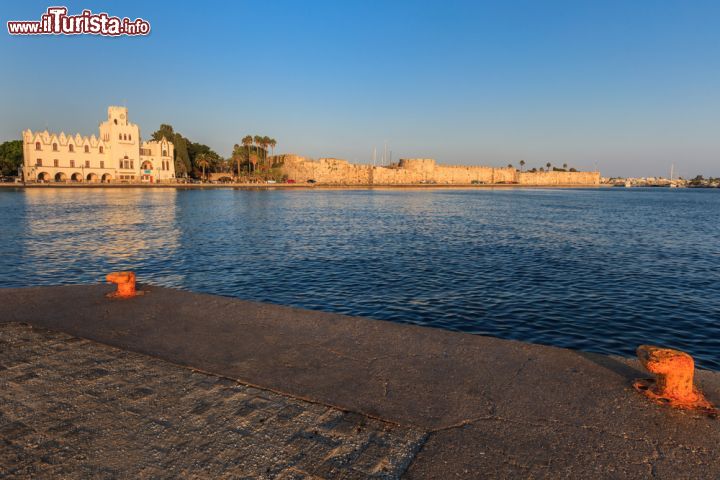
{"x":492,"y":408}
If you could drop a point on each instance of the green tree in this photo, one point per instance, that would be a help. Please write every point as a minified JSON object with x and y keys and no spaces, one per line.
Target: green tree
{"x":258,"y":142}
{"x":548,"y":165}
{"x":564,"y":166}
{"x":272,"y":144}
{"x":11,"y":157}
{"x":182,"y":158}
{"x":247,"y":141}
{"x":202,"y":161}
{"x":187,"y":152}
{"x":240,"y":154}
{"x":266,"y":146}
{"x":522,"y":164}
{"x":183,"y":166}
{"x":166,"y":131}
{"x":195,"y":150}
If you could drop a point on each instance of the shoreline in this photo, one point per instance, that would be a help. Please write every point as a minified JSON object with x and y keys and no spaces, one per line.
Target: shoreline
{"x":261,"y":186}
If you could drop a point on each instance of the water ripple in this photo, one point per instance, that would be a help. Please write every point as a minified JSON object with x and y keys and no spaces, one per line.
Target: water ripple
{"x":596,"y":270}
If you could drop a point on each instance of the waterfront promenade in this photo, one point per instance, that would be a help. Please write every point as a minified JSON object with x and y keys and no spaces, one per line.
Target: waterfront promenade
{"x":292,"y":186}
{"x":372,"y":399}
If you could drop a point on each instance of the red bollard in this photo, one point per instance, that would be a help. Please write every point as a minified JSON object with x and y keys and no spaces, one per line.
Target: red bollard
{"x":674,"y":384}
{"x":125,"y":282}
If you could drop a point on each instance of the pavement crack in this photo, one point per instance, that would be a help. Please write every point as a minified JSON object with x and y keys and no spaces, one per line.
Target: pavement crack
{"x":520,"y":369}
{"x":485,"y":418}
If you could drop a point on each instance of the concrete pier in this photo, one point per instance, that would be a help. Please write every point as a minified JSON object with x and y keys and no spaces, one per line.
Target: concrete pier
{"x":450,"y":405}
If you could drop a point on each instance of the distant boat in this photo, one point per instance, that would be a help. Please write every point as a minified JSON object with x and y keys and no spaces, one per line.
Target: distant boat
{"x":672,"y":170}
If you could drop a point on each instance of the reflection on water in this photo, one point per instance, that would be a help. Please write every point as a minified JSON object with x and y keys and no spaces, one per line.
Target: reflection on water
{"x":599,"y":270}
{"x":70,"y":236}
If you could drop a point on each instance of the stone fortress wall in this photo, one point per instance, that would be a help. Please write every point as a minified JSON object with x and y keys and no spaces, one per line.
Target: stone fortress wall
{"x":333,"y":171}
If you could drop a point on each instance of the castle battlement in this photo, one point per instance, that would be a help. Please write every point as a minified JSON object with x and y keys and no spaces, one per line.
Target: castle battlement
{"x":409,"y":171}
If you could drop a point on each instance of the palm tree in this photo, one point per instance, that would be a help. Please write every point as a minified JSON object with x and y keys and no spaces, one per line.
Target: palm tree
{"x":246,"y":141}
{"x":273,"y":142}
{"x":522,"y":164}
{"x":510,"y":165}
{"x":266,"y":145}
{"x":258,"y":142}
{"x":236,"y":156}
{"x":202,"y":161}
{"x":564,"y":166}
{"x":548,"y":164}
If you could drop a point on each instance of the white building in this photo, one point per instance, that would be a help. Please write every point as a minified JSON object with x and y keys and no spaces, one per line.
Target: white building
{"x":117,"y":155}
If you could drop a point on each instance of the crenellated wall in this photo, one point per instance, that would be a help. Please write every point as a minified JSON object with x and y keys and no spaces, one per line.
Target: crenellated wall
{"x":558,"y":178}
{"x":333,"y":171}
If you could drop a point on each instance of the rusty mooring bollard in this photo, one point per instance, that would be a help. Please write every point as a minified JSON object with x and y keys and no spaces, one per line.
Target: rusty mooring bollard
{"x":674,"y":384}
{"x":125,"y":282}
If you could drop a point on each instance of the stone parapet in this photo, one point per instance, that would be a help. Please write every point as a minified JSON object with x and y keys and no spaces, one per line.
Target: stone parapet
{"x":333,"y":171}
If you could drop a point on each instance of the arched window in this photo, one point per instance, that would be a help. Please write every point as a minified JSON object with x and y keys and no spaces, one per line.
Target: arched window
{"x":55,"y":147}
{"x":87,"y":149}
{"x":101,"y":149}
{"x":164,"y":153}
{"x":38,"y":162}
{"x":37,"y":146}
{"x":129,"y":137}
{"x":119,"y":136}
{"x":116,"y":121}
{"x":71,"y":148}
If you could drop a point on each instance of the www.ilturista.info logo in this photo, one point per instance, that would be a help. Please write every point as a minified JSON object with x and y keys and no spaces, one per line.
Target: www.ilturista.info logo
{"x":56,"y":21}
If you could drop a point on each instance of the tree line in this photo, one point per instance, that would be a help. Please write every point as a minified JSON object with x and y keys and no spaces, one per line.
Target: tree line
{"x":196,"y":160}
{"x":547,"y":168}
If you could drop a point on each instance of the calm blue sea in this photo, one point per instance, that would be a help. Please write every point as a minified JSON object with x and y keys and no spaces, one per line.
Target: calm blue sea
{"x":598,"y":270}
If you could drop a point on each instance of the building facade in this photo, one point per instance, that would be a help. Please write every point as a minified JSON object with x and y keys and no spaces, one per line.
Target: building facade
{"x":117,"y":155}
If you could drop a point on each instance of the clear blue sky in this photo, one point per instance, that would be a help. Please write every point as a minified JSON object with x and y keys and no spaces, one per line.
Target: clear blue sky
{"x":630,"y":85}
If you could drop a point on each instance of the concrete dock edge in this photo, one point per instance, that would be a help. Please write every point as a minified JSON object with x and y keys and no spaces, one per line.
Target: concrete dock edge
{"x":491,"y":408}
